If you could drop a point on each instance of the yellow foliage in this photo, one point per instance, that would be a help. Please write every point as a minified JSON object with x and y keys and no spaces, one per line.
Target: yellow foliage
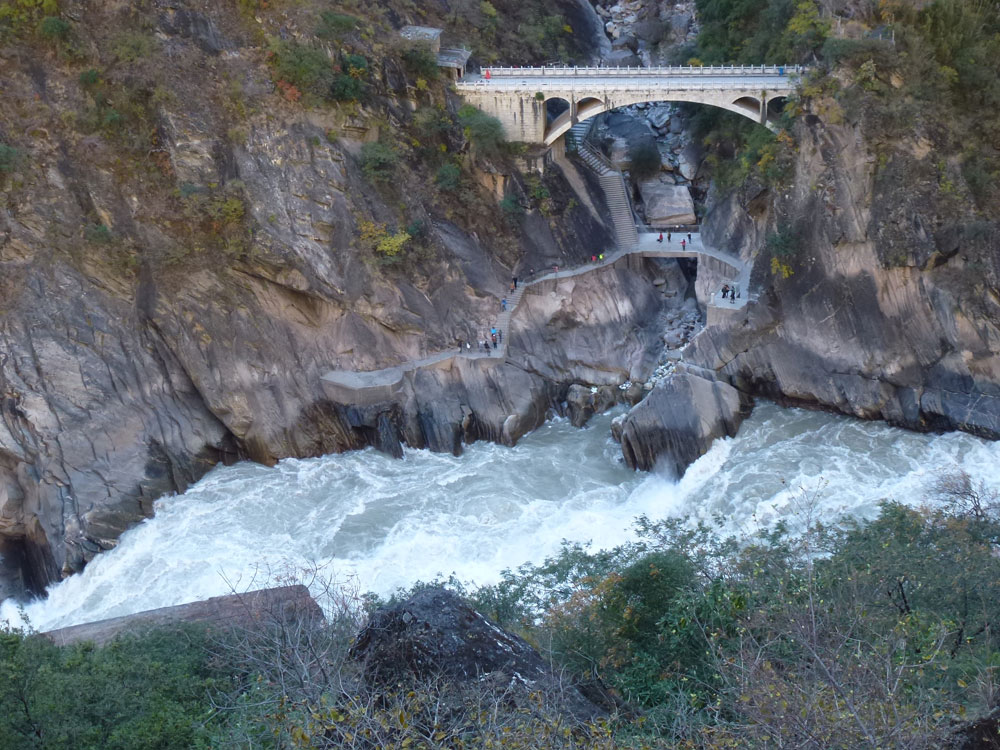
{"x":778,"y":268}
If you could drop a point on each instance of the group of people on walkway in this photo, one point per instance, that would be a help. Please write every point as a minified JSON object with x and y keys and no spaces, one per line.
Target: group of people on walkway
{"x":670,"y":236}
{"x":489,"y":342}
{"x":730,"y":292}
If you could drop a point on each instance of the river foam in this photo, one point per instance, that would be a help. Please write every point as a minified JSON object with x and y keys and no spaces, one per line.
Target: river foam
{"x":389,"y":523}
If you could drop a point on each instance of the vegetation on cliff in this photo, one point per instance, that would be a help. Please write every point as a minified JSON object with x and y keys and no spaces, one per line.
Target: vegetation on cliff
{"x":919,"y":79}
{"x":104,"y":87}
{"x":870,"y":634}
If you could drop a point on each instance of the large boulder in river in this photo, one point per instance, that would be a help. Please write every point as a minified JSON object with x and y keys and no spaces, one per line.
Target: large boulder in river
{"x":434,"y":634}
{"x":679,"y":420}
{"x":666,"y":205}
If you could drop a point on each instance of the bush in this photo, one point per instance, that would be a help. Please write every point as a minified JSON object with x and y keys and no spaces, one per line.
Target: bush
{"x":448,"y":177}
{"x":136,"y":692}
{"x":307,"y":68}
{"x":645,"y":160}
{"x":345,"y":88}
{"x":335,"y":25}
{"x":485,"y":132}
{"x":378,"y":162}
{"x":23,"y":16}
{"x":90,"y":79}
{"x":130,"y":46}
{"x":54,"y":27}
{"x":97,"y":234}
{"x":419,"y":61}
{"x":511,"y":208}
{"x":9,"y":158}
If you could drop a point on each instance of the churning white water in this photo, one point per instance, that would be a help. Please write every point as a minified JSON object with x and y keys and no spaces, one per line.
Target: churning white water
{"x":391,"y":522}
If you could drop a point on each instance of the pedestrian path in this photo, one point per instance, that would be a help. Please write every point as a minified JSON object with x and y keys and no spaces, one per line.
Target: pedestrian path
{"x":352,"y":385}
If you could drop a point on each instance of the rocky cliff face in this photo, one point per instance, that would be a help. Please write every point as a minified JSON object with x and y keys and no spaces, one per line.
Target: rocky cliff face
{"x":173,"y":290}
{"x":887,"y":306}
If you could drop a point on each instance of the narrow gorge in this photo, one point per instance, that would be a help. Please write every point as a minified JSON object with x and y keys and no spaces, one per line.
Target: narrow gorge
{"x":166,"y":313}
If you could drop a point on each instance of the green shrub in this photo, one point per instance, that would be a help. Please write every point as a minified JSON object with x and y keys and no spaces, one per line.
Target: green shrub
{"x":645,"y":160}
{"x":379,"y":162}
{"x":346,"y":88}
{"x":485,"y":132}
{"x":511,"y":208}
{"x":448,"y":177}
{"x":420,"y":62}
{"x":90,"y":79}
{"x":147,"y":692}
{"x":332,"y":25}
{"x":130,"y":46}
{"x":307,"y":68}
{"x":97,"y":234}
{"x":9,"y":158}
{"x":23,"y":16}
{"x":54,"y":27}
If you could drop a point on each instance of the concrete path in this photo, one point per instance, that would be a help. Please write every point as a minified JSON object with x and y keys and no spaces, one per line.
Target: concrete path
{"x":383,"y":382}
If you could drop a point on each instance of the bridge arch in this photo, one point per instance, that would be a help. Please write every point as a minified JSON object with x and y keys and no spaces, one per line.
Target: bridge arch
{"x":748,"y":106}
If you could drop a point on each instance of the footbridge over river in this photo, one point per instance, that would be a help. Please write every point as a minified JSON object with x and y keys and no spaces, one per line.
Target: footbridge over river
{"x":519,"y":97}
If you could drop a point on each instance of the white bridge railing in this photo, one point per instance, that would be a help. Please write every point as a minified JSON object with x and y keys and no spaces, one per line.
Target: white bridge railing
{"x":660,"y":71}
{"x":746,"y":84}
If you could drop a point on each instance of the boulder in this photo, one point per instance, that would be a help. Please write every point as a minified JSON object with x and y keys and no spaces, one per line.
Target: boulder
{"x":688,"y":161}
{"x":579,"y":404}
{"x":622,"y":58}
{"x":680,"y":24}
{"x":434,"y":634}
{"x":649,"y":31}
{"x":666,"y":205}
{"x":659,"y":116}
{"x":679,"y":420}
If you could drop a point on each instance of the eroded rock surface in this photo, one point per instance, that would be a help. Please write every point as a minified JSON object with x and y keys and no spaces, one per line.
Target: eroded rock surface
{"x":678,"y":422}
{"x":435,"y":634}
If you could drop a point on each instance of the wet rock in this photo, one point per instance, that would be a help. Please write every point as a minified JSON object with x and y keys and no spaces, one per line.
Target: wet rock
{"x":617,"y":428}
{"x":579,"y":405}
{"x":678,"y":421}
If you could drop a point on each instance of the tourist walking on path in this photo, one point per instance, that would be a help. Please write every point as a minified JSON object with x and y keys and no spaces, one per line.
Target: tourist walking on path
{"x":725,"y":291}
{"x":494,"y":341}
{"x":689,"y":237}
{"x":500,"y":335}
{"x":683,"y":244}
{"x":660,"y":238}
{"x":513,"y":281}
{"x":668,"y":236}
{"x":503,"y":305}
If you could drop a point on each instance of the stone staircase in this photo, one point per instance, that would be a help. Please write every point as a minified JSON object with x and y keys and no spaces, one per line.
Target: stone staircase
{"x":503,"y":320}
{"x":613,"y":183}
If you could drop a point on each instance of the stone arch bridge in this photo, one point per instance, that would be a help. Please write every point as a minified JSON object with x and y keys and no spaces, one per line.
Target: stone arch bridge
{"x":518,"y":96}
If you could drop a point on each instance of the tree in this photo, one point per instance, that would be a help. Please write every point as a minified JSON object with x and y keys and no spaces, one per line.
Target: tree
{"x":645,"y":159}
{"x":485,"y":132}
{"x":448,"y":177}
{"x":378,"y":162}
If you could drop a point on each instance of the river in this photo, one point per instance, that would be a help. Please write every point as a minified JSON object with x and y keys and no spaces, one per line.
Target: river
{"x":387,"y":523}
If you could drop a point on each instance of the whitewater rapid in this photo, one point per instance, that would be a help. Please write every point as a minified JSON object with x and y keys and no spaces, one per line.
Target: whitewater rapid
{"x":388,"y":523}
